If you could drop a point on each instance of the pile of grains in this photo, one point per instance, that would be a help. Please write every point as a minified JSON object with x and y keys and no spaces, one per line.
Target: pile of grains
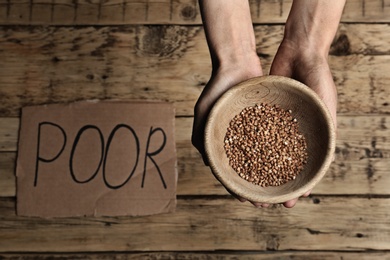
{"x":264,"y":145}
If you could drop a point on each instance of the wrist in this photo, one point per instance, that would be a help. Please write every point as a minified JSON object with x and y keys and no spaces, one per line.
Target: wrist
{"x":316,"y":41}
{"x":245,"y":61}
{"x":230,"y":35}
{"x":239,"y":68}
{"x":234,"y":45}
{"x":312,"y":25}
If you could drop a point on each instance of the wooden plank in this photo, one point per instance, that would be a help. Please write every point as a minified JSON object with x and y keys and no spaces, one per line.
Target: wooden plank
{"x":358,"y":137}
{"x":7,"y":174}
{"x":265,"y":255}
{"x":82,"y":12}
{"x":361,"y":39}
{"x":321,"y":223}
{"x":359,"y":80}
{"x":366,"y":10}
{"x":362,"y":159}
{"x":9,"y":132}
{"x":61,"y":64}
{"x":92,"y":77}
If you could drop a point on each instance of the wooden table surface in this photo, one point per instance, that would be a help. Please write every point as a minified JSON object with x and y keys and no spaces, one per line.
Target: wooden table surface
{"x":61,"y":51}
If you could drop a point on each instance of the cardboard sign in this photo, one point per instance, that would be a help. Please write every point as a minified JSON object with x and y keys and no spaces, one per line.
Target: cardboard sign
{"x":96,"y":158}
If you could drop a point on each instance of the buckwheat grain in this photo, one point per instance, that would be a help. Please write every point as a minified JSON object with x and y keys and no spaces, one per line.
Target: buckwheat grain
{"x":264,"y":145}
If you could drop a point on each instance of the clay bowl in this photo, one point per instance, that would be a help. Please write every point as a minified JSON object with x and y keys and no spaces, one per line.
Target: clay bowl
{"x":314,"y":122}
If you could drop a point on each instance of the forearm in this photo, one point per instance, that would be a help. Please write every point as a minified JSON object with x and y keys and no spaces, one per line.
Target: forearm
{"x":229,"y":31}
{"x":312,"y":25}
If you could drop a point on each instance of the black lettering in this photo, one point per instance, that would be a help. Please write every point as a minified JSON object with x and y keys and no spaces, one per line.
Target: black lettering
{"x":151,"y":154}
{"x":81,"y":131}
{"x":108,"y":148}
{"x":46,"y":160}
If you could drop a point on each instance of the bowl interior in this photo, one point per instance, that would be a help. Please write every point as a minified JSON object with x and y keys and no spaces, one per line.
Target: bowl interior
{"x":314,"y":122}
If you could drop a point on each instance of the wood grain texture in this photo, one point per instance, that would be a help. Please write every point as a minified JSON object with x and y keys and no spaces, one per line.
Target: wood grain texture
{"x":55,"y":51}
{"x":113,"y":12}
{"x":320,"y":223}
{"x":211,"y":255}
{"x":7,"y":174}
{"x":361,"y":163}
{"x":170,"y":63}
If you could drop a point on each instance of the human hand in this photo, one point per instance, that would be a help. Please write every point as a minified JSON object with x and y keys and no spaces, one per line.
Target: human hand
{"x":218,"y":84}
{"x":232,"y":49}
{"x":309,"y":68}
{"x":232,"y":46}
{"x":303,"y":53}
{"x":312,"y":70}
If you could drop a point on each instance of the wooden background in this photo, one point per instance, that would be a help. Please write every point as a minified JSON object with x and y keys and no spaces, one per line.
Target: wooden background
{"x":62,"y":50}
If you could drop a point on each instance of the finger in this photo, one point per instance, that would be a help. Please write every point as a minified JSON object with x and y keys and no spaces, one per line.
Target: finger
{"x":240,"y":198}
{"x":257,"y":204}
{"x":306,"y":194}
{"x":260,"y":204}
{"x":290,"y":203}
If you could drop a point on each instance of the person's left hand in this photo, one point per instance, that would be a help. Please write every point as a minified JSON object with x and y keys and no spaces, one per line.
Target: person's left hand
{"x":312,"y":69}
